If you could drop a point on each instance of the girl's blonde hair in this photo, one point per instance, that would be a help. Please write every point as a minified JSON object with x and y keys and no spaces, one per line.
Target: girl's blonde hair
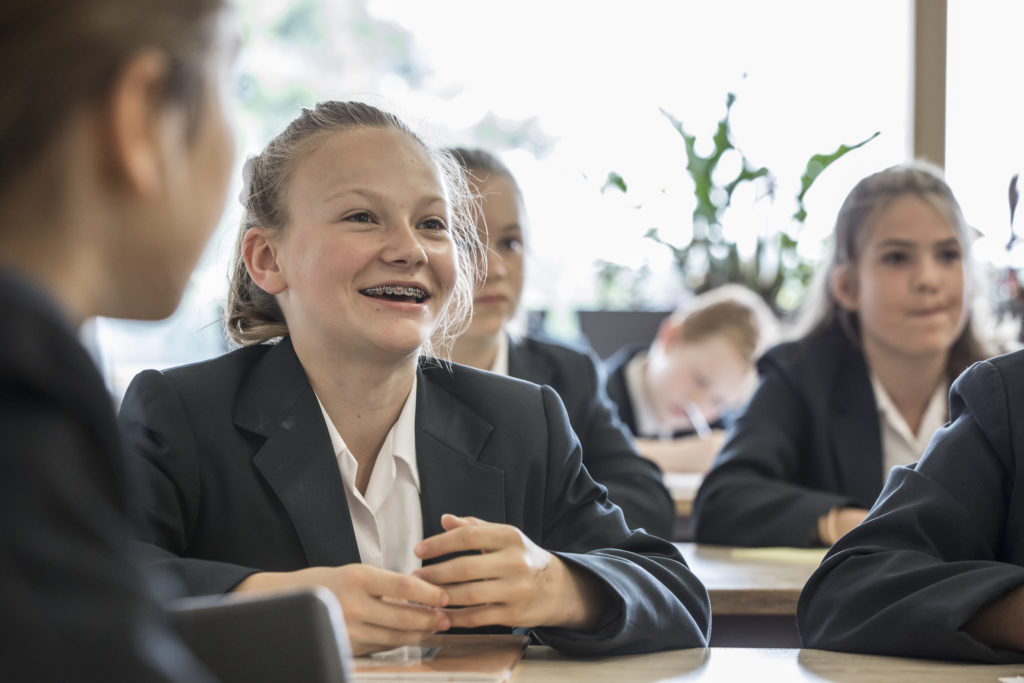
{"x":253,"y":316}
{"x":858,"y":214}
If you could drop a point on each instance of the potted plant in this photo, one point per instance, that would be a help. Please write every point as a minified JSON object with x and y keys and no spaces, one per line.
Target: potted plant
{"x":709,"y":257}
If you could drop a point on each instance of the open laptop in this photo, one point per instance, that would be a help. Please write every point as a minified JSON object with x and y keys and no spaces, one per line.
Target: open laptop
{"x":267,"y":638}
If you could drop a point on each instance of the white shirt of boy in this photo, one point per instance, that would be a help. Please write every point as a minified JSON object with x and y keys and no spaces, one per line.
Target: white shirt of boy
{"x":900,"y":446}
{"x":388,"y":520}
{"x":648,"y":425}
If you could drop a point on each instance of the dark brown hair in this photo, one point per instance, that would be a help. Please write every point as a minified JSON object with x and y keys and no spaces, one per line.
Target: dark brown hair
{"x":60,"y":55}
{"x":861,"y":208}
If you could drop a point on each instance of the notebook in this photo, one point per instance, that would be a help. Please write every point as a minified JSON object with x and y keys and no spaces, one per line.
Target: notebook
{"x":463,"y":658}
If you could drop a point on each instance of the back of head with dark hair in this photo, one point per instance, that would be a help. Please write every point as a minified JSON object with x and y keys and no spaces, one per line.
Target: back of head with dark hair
{"x":59,"y":56}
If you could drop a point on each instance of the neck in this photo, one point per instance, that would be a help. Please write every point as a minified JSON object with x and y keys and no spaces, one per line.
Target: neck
{"x":910,"y":381}
{"x":66,"y":270}
{"x":362,"y":398}
{"x":477,"y":352}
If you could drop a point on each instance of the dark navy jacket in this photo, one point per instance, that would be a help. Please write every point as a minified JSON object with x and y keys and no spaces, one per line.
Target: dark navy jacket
{"x":945,"y":538}
{"x":244,"y":479}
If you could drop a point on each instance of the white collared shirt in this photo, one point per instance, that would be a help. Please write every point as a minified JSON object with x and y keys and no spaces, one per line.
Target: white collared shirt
{"x":387,"y":521}
{"x":648,"y":425}
{"x":500,"y":364}
{"x":900,"y":446}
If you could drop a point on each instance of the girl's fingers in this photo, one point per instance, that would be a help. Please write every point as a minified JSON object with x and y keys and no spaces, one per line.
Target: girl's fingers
{"x":406,"y":588}
{"x":467,"y":534}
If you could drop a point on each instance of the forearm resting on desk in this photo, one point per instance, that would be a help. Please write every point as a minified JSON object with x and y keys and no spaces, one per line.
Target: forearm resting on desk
{"x":685,"y":454}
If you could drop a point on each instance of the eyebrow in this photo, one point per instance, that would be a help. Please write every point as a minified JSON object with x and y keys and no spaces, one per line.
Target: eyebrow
{"x":907,"y":244}
{"x":379,"y":196}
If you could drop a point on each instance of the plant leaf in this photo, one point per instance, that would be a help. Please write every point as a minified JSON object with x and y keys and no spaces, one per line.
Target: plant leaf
{"x":614,"y":180}
{"x":818,"y":163}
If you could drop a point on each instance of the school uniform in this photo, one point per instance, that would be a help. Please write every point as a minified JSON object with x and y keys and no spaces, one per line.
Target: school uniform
{"x":809,"y":440}
{"x":243,"y":478}
{"x":73,"y":604}
{"x":945,"y":538}
{"x":633,"y":482}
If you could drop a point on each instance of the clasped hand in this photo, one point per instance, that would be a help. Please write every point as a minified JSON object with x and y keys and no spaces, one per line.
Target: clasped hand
{"x":510,"y":580}
{"x":507,"y":579}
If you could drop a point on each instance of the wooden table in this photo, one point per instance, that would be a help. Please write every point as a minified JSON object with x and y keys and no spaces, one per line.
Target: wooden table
{"x":752,"y":580}
{"x":740,"y":665}
{"x":753,"y":591}
{"x":683,"y":488}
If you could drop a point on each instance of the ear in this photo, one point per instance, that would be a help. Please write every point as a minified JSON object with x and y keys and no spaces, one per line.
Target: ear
{"x":260,"y":255}
{"x":843,"y":284}
{"x":135,"y":117}
{"x":670,"y":331}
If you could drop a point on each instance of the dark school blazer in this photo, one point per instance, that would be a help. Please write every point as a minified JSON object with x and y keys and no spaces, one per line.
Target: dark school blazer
{"x":74,"y":606}
{"x":945,"y":538}
{"x":633,"y":482}
{"x":808,"y":440}
{"x":618,"y":390}
{"x":243,"y":478}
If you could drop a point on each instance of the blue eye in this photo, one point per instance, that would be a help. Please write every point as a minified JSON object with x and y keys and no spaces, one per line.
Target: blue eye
{"x":434,"y":224}
{"x":360,"y":217}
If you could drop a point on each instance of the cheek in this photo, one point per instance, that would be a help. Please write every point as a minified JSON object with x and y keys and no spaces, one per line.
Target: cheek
{"x":446,"y":268}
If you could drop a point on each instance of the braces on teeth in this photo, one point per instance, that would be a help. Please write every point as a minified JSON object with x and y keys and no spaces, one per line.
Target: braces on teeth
{"x":395,"y":291}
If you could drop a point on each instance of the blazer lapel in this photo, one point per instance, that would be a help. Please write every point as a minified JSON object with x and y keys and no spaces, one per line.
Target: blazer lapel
{"x":449,"y":439}
{"x":856,"y":438}
{"x":297,"y":459}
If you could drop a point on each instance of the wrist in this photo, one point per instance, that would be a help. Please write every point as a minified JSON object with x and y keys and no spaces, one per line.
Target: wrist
{"x":589,"y":598}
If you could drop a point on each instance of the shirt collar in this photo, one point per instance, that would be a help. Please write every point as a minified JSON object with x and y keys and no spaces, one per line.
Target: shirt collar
{"x":400,"y":442}
{"x":500,"y":364}
{"x":647,"y":422}
{"x":933,"y":418}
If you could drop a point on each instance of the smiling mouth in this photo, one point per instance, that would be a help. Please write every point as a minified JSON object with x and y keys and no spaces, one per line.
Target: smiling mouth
{"x":396,"y":293}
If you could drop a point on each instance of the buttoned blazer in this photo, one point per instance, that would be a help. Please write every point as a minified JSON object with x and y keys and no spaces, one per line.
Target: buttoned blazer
{"x":808,"y":440}
{"x":945,"y":537}
{"x":633,"y":482}
{"x":243,"y":478}
{"x":74,"y":605}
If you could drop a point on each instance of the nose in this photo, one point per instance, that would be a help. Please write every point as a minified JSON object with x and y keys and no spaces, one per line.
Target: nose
{"x":496,"y":269}
{"x":403,"y":246}
{"x":928,"y":275}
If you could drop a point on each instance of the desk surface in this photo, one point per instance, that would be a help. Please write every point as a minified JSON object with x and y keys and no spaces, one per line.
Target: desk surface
{"x":736,"y":665}
{"x":683,"y":488}
{"x":746,"y":581}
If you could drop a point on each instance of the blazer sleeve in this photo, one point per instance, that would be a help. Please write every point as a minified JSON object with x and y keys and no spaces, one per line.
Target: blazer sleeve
{"x":160,"y":442}
{"x":75,"y":606}
{"x":658,"y":602}
{"x":634,"y":483}
{"x":934,"y":548}
{"x":751,"y":496}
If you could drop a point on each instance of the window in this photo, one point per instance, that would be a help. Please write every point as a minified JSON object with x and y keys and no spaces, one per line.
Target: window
{"x":566,"y":92}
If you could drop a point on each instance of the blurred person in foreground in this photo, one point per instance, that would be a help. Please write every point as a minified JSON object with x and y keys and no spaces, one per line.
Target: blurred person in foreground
{"x":116,"y":156}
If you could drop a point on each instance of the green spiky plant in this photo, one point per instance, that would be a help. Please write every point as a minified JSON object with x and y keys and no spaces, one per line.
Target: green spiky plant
{"x":776,"y":262}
